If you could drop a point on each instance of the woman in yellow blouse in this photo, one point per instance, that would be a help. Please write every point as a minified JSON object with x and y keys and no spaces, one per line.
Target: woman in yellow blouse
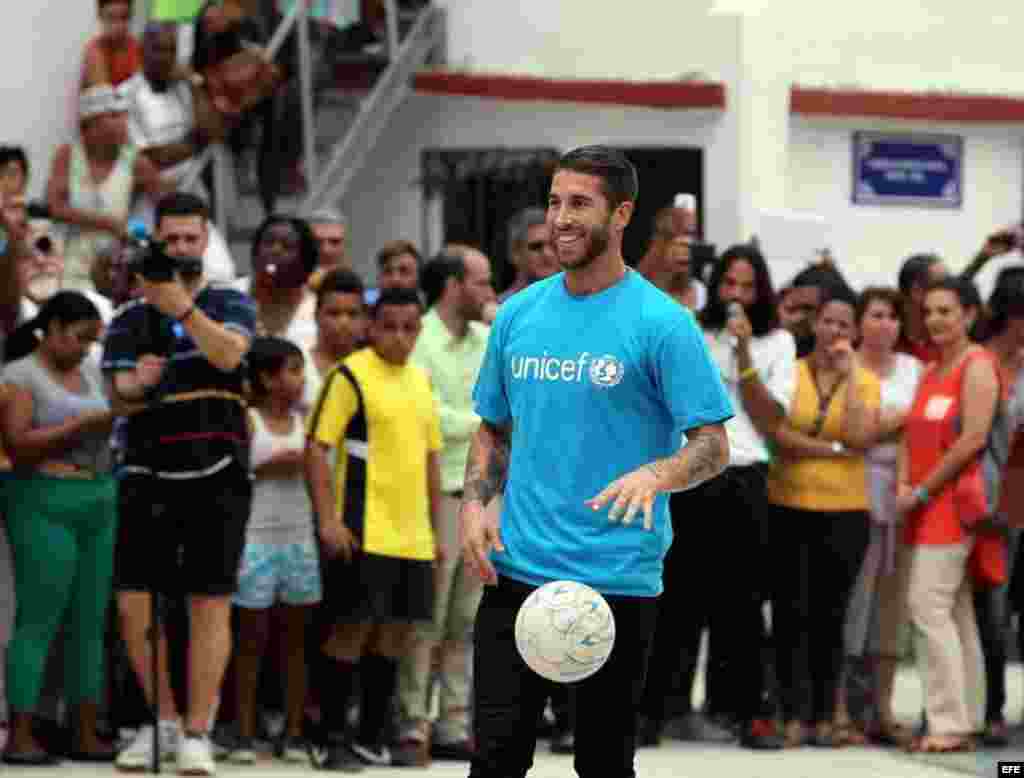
{"x":818,"y":491}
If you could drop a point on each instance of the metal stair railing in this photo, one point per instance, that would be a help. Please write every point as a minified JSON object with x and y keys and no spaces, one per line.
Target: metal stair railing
{"x":423,"y":41}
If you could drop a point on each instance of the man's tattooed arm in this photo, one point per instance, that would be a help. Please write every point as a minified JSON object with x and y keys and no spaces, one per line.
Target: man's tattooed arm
{"x":704,"y":456}
{"x":487,"y":464}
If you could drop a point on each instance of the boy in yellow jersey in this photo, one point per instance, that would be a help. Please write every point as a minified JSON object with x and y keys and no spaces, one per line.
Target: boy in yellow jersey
{"x":377,"y":515}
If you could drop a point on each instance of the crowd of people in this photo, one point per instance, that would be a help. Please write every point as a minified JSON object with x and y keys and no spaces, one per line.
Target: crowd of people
{"x":263,"y":509}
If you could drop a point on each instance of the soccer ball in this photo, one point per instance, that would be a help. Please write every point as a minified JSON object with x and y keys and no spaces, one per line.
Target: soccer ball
{"x":565,"y":631}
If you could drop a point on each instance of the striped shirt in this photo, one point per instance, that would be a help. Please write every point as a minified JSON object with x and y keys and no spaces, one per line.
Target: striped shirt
{"x":195,"y":424}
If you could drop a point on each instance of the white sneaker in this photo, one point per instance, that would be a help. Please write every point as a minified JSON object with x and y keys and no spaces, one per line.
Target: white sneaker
{"x":138,"y":755}
{"x":195,"y":756}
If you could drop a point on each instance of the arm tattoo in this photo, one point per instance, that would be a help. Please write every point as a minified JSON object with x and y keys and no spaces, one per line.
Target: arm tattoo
{"x":487,"y":467}
{"x":704,"y":456}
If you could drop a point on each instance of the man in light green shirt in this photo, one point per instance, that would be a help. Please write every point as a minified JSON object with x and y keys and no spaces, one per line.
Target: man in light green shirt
{"x":451,"y":345}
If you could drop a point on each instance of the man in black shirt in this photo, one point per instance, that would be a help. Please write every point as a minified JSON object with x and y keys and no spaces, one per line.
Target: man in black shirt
{"x":173,"y":364}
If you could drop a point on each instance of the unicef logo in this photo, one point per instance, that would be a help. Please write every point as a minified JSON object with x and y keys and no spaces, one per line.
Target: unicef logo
{"x":606,"y":371}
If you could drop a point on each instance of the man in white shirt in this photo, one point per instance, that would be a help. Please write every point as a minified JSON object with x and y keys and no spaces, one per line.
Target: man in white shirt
{"x":161,"y":120}
{"x":161,"y":123}
{"x":714,"y":572}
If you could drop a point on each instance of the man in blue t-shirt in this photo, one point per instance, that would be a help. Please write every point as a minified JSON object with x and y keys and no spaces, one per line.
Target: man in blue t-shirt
{"x":173,"y":362}
{"x":597,"y":398}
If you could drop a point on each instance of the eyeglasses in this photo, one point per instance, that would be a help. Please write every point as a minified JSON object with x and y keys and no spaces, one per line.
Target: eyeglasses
{"x":535,"y":245}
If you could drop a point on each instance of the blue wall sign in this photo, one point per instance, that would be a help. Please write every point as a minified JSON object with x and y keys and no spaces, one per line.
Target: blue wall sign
{"x":908,"y":169}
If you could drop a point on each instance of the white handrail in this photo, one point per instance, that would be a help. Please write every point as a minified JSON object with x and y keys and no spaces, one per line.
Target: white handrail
{"x":306,"y":93}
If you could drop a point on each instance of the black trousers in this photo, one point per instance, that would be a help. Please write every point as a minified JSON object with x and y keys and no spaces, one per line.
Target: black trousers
{"x":817,"y":557}
{"x":992,"y":608}
{"x":508,"y":696}
{"x":714,"y":577}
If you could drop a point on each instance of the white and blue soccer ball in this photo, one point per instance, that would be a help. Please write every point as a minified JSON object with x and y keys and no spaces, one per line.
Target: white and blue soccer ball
{"x":565,"y":631}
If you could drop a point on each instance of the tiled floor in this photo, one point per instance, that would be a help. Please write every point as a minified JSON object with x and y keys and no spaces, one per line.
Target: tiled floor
{"x":681,"y":760}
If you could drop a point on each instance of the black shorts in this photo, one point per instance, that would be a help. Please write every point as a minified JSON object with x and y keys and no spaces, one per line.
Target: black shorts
{"x":377,"y":589}
{"x":182,"y":537}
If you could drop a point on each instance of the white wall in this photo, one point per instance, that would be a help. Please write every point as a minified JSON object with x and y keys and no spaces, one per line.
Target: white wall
{"x":873,"y":240}
{"x":386,"y":203}
{"x":905,"y":45}
{"x":41,"y":44}
{"x":641,"y":39}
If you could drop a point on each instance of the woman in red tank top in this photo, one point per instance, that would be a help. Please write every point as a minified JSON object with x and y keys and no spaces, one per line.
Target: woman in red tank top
{"x":946,"y":430}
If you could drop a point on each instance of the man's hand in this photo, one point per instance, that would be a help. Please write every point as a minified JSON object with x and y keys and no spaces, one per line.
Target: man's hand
{"x":480,"y":534}
{"x":339,"y":539}
{"x":633,"y":492}
{"x":1002,"y":242}
{"x":171,"y":298}
{"x":149,"y":370}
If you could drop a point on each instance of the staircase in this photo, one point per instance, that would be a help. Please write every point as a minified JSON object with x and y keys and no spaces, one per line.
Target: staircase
{"x":350,"y":111}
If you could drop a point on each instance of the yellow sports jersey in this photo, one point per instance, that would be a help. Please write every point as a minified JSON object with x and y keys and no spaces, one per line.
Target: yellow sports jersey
{"x":383,"y":420}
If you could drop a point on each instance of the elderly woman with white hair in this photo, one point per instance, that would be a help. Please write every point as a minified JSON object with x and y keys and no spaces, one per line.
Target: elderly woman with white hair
{"x":94,"y":181}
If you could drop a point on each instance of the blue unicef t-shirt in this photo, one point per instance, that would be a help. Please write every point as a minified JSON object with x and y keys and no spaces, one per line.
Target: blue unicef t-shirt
{"x":594,"y":387}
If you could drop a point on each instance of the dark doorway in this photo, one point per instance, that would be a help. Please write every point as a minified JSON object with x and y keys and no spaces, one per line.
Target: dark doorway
{"x":664,"y":172}
{"x":482,"y":189}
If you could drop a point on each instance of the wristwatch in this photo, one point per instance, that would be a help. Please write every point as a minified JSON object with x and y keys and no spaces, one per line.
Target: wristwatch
{"x":838,"y":448}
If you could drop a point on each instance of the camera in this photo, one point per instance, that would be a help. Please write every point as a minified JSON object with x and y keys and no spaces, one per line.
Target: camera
{"x":38,"y":210}
{"x":149,"y":259}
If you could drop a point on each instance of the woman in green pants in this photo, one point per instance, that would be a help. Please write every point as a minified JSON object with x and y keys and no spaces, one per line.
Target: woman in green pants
{"x":61,"y":519}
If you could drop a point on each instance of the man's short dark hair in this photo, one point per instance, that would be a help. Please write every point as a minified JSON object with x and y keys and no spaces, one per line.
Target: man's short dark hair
{"x":618,"y":176}
{"x":396,"y":248}
{"x":14,"y":154}
{"x":915,"y":271}
{"x":436,"y":273}
{"x":339,"y":281}
{"x":180,"y":204}
{"x":396,"y":296}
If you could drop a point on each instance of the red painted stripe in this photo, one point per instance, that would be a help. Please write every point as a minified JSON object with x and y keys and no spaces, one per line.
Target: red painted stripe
{"x":650,"y":94}
{"x":907,"y":105}
{"x":187,"y":436}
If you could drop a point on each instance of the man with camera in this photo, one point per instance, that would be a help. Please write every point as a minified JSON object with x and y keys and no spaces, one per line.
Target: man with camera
{"x":173,"y":363}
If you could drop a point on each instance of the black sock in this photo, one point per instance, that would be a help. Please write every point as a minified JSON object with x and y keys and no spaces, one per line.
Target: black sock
{"x":379,"y":676}
{"x":335,"y":677}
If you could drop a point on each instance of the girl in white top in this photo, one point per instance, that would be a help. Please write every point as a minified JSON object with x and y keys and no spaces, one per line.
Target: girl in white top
{"x":877,"y":609}
{"x":280,"y":564}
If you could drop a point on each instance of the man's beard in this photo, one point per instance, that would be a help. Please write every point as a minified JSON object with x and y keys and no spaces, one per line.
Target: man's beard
{"x":470,"y":311}
{"x":679,"y":280}
{"x":596,"y":244}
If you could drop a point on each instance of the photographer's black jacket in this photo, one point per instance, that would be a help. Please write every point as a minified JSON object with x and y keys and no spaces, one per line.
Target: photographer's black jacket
{"x":196,"y":422}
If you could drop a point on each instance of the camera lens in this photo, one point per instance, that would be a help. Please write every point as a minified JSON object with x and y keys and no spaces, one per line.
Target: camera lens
{"x":44,"y":245}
